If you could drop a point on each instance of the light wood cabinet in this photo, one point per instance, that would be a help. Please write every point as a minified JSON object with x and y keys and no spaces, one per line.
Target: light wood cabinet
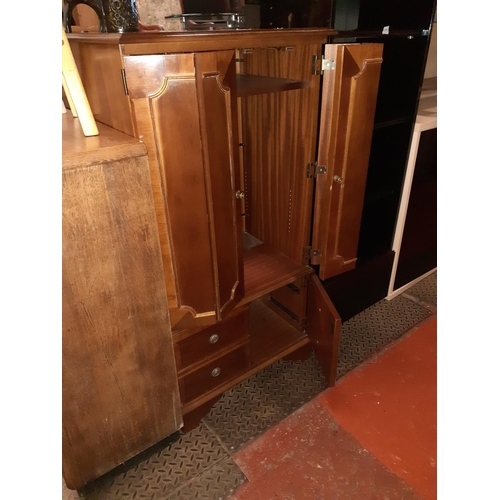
{"x":119,"y":389}
{"x":258,"y":161}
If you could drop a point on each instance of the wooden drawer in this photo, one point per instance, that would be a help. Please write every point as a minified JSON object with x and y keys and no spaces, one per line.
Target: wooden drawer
{"x":212,"y":340}
{"x":214,"y":374}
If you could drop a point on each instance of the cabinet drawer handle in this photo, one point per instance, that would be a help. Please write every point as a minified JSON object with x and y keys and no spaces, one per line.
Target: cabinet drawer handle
{"x":213,"y":338}
{"x":216,"y":372}
{"x":240,"y":195}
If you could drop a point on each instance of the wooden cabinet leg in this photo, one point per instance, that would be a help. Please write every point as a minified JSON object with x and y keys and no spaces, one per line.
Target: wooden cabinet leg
{"x":193,"y":418}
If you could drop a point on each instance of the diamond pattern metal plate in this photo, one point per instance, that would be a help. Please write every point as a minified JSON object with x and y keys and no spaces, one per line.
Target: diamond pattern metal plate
{"x":163,"y":472}
{"x":375,"y":327}
{"x":425,"y":291}
{"x":249,"y":409}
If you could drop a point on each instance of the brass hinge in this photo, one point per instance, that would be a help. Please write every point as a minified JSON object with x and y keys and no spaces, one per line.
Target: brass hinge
{"x":124,"y":80}
{"x":326,"y":65}
{"x":313,"y":169}
{"x":309,"y":253}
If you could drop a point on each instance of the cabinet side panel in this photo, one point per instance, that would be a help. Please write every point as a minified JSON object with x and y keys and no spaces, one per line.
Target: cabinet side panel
{"x":279,"y":134}
{"x":100,"y":67}
{"x":120,"y":392}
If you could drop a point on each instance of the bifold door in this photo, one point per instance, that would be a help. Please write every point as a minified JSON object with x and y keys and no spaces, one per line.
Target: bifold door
{"x":176,"y":99}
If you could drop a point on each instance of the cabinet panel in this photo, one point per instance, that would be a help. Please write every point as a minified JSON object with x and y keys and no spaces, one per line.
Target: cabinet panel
{"x":187,"y":100}
{"x":279,"y":137}
{"x":214,"y":374}
{"x":347,"y":114}
{"x":195,"y":347}
{"x":119,"y":385}
{"x":324,"y":328}
{"x":216,"y":85}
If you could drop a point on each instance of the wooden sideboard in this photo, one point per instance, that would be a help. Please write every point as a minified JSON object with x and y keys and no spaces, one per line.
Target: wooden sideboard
{"x":120,"y":390}
{"x":258,"y":144}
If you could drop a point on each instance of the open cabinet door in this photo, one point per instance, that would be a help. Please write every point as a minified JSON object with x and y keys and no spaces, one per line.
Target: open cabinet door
{"x":184,"y":110}
{"x":346,"y":126}
{"x":324,"y":328}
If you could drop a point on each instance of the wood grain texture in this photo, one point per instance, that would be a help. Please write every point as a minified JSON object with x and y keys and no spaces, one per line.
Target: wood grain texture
{"x":204,"y":380}
{"x":197,"y":347}
{"x":271,"y":338}
{"x":163,"y":93}
{"x":266,"y":271}
{"x":253,"y":85}
{"x":216,"y":86}
{"x":347,"y":114}
{"x":120,"y":392}
{"x":109,"y":145}
{"x":279,"y":133}
{"x":324,"y":329}
{"x":100,"y":68}
{"x":187,"y":41}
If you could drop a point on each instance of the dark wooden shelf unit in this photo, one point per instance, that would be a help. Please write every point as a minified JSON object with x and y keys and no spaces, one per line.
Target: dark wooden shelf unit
{"x":247,"y":85}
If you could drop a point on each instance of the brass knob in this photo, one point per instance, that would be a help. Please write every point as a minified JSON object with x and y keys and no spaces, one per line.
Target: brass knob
{"x":240,"y":195}
{"x":216,"y":372}
{"x":338,"y":179}
{"x":213,"y":338}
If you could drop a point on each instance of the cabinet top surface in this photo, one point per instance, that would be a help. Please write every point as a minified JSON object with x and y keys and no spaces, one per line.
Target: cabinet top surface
{"x":109,"y":145}
{"x":170,"y":41}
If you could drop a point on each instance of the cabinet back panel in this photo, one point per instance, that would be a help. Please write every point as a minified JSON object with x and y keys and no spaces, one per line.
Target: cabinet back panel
{"x":279,"y":133}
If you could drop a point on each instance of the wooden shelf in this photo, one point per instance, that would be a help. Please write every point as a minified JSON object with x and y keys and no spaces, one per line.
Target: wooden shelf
{"x":271,"y":337}
{"x":248,"y":85}
{"x":266,"y":271}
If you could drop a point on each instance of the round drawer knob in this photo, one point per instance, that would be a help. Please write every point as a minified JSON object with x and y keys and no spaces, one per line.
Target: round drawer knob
{"x":216,"y":372}
{"x":213,"y":338}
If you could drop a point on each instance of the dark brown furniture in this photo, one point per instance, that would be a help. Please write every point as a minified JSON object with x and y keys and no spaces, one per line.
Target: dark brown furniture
{"x":258,"y":154}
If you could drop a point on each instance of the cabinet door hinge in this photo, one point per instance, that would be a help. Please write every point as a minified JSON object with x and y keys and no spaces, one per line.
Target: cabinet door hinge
{"x":309,"y":253}
{"x":326,"y":65}
{"x":124,"y":80}
{"x":313,"y":169}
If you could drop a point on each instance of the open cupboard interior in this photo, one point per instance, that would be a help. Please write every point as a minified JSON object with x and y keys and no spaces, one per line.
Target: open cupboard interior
{"x":258,"y":146}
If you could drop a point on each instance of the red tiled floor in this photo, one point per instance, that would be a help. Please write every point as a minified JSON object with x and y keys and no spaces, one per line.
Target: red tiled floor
{"x":389,"y":406}
{"x":308,"y":456}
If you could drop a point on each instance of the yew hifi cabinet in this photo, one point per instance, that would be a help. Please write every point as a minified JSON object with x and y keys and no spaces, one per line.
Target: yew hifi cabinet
{"x":257,"y":150}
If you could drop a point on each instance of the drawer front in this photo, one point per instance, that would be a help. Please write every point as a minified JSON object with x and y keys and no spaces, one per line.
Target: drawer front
{"x":213,"y":374}
{"x":212,"y":340}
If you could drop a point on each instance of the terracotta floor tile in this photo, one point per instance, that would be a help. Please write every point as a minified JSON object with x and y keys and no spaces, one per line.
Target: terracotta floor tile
{"x":389,"y":406}
{"x":308,"y":456}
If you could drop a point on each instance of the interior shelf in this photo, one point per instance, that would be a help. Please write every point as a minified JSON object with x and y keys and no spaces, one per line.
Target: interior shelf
{"x":265,"y":271}
{"x":248,"y":85}
{"x":271,"y":337}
